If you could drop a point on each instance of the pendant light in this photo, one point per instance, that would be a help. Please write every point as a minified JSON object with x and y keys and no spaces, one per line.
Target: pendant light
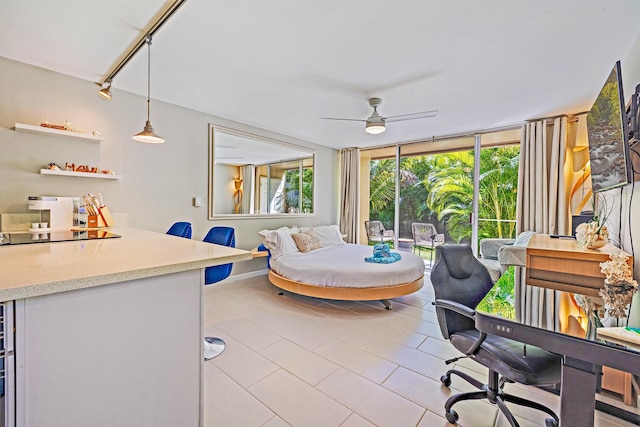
{"x":148,"y":135}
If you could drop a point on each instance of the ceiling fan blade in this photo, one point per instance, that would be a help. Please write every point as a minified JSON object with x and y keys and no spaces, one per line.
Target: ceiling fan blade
{"x":412,"y":116}
{"x":336,"y":118}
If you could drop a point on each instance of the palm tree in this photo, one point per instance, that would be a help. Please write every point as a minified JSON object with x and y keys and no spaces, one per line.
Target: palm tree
{"x":382,"y":179}
{"x":438,"y":188}
{"x":450,"y":188}
{"x":498,"y":190}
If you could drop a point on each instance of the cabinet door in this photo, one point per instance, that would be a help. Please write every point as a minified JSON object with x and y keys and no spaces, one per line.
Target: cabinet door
{"x":7,"y":366}
{"x":124,"y":354}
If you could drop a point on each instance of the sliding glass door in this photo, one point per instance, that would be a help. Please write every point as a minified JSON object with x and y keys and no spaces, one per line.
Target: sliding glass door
{"x":465,"y":196}
{"x":436,"y":197}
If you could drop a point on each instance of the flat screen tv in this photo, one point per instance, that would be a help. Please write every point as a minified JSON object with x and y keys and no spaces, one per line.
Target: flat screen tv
{"x":608,"y":136}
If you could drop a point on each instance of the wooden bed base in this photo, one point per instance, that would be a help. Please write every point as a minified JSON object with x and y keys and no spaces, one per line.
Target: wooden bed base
{"x":382,"y":293}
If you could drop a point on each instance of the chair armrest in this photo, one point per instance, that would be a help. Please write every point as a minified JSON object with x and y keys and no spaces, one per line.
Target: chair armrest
{"x":455,"y":306}
{"x":465,"y":311}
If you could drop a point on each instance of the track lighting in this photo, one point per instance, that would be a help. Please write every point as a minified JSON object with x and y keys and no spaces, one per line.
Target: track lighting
{"x":105,"y":91}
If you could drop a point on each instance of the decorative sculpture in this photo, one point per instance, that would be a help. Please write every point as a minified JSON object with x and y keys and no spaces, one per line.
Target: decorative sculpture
{"x":237,"y":194}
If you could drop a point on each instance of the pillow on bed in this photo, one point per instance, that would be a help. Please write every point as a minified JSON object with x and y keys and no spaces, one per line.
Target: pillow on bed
{"x":279,"y":242}
{"x":329,"y":235}
{"x":307,"y":240}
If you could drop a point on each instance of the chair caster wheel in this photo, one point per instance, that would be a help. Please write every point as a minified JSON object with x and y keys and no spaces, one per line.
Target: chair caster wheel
{"x":445,"y":380}
{"x":452,"y":416}
{"x":550,"y":422}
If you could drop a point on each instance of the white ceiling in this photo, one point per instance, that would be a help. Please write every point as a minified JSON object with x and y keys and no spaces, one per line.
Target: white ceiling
{"x":281,"y":64}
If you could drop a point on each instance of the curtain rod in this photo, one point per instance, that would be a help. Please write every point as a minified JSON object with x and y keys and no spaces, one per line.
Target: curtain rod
{"x":470,"y":133}
{"x":445,"y":137}
{"x":141,"y":41}
{"x":568,"y":116}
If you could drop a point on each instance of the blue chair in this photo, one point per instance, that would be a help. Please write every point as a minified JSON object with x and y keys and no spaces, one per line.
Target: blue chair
{"x":181,"y":229}
{"x":224,"y":236}
{"x":263,"y":248}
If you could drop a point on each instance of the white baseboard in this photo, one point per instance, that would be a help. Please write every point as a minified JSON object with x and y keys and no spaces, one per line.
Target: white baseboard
{"x":247,"y":275}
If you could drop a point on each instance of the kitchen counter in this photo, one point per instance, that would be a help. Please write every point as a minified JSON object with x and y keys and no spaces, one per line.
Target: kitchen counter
{"x":107,"y":332}
{"x":46,"y":268}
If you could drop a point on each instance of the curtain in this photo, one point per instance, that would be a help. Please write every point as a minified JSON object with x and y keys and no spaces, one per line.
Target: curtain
{"x":349,"y":174}
{"x":543,"y":206}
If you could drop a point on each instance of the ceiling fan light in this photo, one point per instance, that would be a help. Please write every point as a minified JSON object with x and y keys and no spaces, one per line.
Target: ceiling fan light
{"x":375,"y":125}
{"x":148,"y":135}
{"x":375,"y":129}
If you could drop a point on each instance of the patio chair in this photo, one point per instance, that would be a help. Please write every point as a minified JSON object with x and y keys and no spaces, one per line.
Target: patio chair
{"x":377,"y":234}
{"x":426,"y":237}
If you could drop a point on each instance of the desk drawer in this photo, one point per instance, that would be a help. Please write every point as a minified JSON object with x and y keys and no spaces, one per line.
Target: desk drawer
{"x":569,"y":275}
{"x":578,"y":267}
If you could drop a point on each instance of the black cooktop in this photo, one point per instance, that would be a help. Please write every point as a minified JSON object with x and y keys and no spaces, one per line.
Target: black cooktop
{"x":53,"y":236}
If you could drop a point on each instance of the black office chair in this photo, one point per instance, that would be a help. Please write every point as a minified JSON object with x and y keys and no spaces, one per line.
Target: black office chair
{"x":460,"y":282}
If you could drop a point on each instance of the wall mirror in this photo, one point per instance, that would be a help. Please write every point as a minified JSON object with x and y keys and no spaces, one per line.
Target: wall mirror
{"x":252,"y":175}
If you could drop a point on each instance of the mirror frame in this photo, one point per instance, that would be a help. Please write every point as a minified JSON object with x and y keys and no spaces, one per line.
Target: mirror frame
{"x":211,"y":205}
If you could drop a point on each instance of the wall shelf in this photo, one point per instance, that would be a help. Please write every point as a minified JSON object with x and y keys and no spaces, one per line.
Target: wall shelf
{"x":79,"y":174}
{"x":21,"y":127}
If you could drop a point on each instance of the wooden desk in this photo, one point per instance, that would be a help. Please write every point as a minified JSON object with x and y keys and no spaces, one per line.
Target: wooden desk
{"x":580,"y":363}
{"x":559,"y":264}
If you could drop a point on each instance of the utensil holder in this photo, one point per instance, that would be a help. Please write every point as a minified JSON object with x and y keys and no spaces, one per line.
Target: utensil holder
{"x":105,"y":216}
{"x":103,"y":219}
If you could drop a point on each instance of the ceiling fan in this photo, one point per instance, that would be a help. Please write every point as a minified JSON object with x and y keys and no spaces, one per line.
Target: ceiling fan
{"x":376,"y":123}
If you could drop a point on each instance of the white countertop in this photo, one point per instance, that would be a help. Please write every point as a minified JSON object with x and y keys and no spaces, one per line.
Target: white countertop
{"x":46,"y":268}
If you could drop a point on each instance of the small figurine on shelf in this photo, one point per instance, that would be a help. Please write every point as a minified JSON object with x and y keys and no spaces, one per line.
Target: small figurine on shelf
{"x":69,"y":128}
{"x":53,"y":166}
{"x":46,"y":124}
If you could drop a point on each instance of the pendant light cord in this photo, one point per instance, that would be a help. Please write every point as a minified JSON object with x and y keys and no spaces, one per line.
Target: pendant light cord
{"x":148,"y":77}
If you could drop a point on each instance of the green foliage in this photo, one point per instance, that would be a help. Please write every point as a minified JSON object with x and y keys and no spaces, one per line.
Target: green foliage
{"x":382,"y":191}
{"x":438,"y":189}
{"x":293,"y":187}
{"x":501,"y":299}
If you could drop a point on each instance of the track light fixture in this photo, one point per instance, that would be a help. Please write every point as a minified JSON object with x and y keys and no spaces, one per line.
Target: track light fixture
{"x":148,"y":135}
{"x":105,"y":91}
{"x":149,"y":31}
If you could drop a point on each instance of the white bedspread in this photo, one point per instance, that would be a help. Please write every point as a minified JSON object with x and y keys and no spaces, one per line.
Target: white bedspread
{"x":344,"y":266}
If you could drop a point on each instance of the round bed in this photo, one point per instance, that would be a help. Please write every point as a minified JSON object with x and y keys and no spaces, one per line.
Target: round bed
{"x":337,"y":270}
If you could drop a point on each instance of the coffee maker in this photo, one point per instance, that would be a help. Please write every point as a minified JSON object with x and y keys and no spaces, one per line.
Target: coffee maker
{"x":57,"y":211}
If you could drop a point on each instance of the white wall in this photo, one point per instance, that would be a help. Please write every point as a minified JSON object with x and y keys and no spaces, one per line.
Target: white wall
{"x":159,"y":181}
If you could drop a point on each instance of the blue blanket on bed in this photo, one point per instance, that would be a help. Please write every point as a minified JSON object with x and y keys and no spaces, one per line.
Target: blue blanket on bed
{"x":383,"y":255}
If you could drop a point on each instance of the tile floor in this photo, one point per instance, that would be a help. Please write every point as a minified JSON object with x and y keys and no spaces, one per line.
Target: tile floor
{"x":299,"y":361}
